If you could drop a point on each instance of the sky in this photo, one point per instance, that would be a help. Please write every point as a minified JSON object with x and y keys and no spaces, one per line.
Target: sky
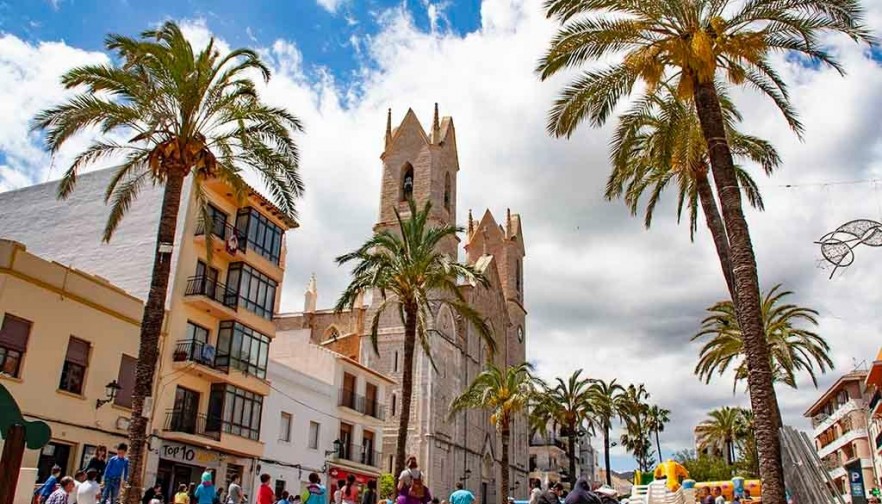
{"x":603,"y":293}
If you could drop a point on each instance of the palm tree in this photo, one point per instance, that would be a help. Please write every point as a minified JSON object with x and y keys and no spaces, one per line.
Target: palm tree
{"x":748,"y":463}
{"x":568,"y":405}
{"x":792,"y":348}
{"x":634,"y":413}
{"x":416,"y":279}
{"x":659,"y":141}
{"x":657,"y":417}
{"x":606,"y":400}
{"x":689,"y":44}
{"x":504,"y":393}
{"x":721,"y":431}
{"x":184,"y":113}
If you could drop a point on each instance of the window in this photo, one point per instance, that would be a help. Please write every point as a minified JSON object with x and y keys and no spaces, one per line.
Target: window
{"x":407,"y":183}
{"x":261,"y":234}
{"x":254,"y":290}
{"x":332,"y":334}
{"x":14,"y":334}
{"x":88,"y":452}
{"x":394,"y":404}
{"x":314,"y":432}
{"x":395,"y":363}
{"x":285,"y":427}
{"x":126,"y":380}
{"x":73,"y":374}
{"x":196,"y":332}
{"x":218,"y":220}
{"x":242,"y":348}
{"x":237,"y":410}
{"x":447,"y":191}
{"x":518,"y":276}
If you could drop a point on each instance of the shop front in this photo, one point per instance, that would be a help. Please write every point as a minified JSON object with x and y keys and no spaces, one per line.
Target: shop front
{"x":337,"y":473}
{"x":183,"y":464}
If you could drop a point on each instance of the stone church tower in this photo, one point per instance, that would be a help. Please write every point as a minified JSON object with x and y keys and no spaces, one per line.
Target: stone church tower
{"x":423,"y":165}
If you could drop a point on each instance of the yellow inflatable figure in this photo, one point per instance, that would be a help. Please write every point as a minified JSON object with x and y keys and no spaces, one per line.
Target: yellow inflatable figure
{"x":673,"y":472}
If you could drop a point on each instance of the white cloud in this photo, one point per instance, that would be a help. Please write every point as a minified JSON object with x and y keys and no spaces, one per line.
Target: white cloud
{"x":331,"y":5}
{"x":603,"y":293}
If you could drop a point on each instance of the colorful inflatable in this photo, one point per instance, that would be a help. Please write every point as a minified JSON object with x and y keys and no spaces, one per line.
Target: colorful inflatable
{"x":672,"y":472}
{"x":737,"y":487}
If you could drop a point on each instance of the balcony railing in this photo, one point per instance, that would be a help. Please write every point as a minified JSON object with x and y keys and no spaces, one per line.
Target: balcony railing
{"x":212,"y":289}
{"x":359,"y":454}
{"x":194,"y":351}
{"x":538,"y":440}
{"x":349,"y":399}
{"x":225,"y":233}
{"x":190,"y":422}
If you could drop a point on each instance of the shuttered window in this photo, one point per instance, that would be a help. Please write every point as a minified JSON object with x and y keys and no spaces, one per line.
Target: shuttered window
{"x":73,"y":374}
{"x":14,"y":334}
{"x":126,"y":381}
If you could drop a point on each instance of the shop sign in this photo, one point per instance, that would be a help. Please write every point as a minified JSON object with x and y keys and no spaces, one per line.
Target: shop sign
{"x":337,"y":473}
{"x":187,"y":454}
{"x":856,"y":482}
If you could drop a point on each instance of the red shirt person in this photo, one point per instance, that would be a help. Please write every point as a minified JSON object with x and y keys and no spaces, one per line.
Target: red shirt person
{"x":265,"y":494}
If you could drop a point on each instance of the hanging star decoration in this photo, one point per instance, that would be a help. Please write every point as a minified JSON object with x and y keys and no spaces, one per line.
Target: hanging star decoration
{"x":837,"y":246}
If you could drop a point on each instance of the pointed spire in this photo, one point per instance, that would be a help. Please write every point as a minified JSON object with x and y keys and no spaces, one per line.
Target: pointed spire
{"x":311,"y":296}
{"x":471,"y":223}
{"x":508,"y":222}
{"x":388,"y":128}
{"x":436,"y":127}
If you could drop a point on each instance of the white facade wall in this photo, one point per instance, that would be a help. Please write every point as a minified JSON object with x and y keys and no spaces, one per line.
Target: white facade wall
{"x":307,"y":400}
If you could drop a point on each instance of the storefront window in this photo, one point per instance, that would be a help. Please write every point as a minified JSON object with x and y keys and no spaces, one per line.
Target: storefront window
{"x":242,"y":348}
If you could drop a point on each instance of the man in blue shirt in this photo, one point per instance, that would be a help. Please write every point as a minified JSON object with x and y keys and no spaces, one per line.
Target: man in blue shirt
{"x":461,"y":496}
{"x":117,"y":470}
{"x":49,"y":485}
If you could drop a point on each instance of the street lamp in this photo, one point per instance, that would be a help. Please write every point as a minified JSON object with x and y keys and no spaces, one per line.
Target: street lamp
{"x":337,"y":445}
{"x":466,"y":475}
{"x":110,"y":389}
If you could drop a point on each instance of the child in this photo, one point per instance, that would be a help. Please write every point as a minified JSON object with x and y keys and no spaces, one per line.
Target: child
{"x":183,"y":495}
{"x":49,"y":485}
{"x":116,"y":471}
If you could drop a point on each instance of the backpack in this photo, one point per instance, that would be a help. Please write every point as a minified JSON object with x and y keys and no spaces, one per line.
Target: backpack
{"x":416,"y":490}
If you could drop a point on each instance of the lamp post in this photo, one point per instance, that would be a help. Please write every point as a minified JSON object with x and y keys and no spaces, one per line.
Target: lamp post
{"x":110,"y":389}
{"x":466,"y":475}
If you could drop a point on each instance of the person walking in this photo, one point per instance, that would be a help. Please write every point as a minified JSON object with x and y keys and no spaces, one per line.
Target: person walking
{"x":338,"y":493}
{"x":79,"y":478}
{"x":349,"y":493}
{"x":718,"y":496}
{"x":234,"y":492}
{"x":116,"y":471}
{"x":183,"y":495}
{"x":65,"y":487}
{"x":461,"y":495}
{"x":265,"y":494}
{"x":581,"y":493}
{"x":535,"y":491}
{"x":315,"y":491}
{"x":552,"y":495}
{"x":411,"y":489}
{"x":370,"y":494}
{"x":48,"y":487}
{"x":98,"y":462}
{"x":150,"y":493}
{"x":283,"y":499}
{"x":206,"y":490}
{"x":89,"y":491}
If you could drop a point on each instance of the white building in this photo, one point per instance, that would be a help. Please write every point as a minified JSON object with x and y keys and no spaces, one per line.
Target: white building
{"x":588,"y":460}
{"x":324,"y":414}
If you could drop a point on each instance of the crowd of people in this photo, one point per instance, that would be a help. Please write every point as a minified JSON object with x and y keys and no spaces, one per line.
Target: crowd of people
{"x":98,"y":482}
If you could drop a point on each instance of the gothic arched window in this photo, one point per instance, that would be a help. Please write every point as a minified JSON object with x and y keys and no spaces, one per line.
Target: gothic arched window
{"x":518,"y":276}
{"x":407,"y":183}
{"x":447,"y":191}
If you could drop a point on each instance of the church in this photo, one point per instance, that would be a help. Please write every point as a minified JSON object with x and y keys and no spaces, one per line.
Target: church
{"x":423,"y":165}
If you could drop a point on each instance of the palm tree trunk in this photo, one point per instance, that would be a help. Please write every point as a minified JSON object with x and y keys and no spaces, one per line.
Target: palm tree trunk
{"x":505,"y":434}
{"x":658,"y":447}
{"x":606,"y":461}
{"x":571,"y":448}
{"x":151,"y":328}
{"x":406,"y":388}
{"x":717,"y":228}
{"x":747,"y":293}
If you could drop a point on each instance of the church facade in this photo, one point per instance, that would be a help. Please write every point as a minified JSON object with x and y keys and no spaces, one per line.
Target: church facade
{"x":423,"y":165}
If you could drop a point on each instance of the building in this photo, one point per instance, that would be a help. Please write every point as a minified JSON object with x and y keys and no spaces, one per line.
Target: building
{"x":65,"y":335}
{"x":839,"y":423}
{"x":588,"y":465}
{"x":548,"y":462}
{"x":334,"y":400}
{"x":211,"y":379}
{"x":424,"y":165}
{"x":873,"y":385}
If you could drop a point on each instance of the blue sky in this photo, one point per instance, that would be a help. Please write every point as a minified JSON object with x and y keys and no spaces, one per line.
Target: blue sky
{"x":329,"y":33}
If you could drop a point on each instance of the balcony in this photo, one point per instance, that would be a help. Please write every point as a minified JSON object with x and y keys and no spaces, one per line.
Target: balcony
{"x":359,"y":455}
{"x":359,"y":403}
{"x":212,"y":296}
{"x":187,"y":350}
{"x":190,"y":422}
{"x":841,"y":441}
{"x":823,"y":422}
{"x":223,"y":239}
{"x":539,"y":440}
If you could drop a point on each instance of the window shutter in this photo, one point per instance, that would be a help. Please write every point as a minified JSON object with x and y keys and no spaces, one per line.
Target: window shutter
{"x":14,"y":333}
{"x":78,"y":351}
{"x":126,"y":381}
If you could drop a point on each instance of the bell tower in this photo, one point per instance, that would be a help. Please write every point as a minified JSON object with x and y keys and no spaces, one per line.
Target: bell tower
{"x":422,"y":165}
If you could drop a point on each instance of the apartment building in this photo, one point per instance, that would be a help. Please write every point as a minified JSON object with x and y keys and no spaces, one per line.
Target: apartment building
{"x":211,"y":381}
{"x":343,"y":435}
{"x":839,"y":423}
{"x":68,"y":346}
{"x":548,"y":462}
{"x":873,"y":384}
